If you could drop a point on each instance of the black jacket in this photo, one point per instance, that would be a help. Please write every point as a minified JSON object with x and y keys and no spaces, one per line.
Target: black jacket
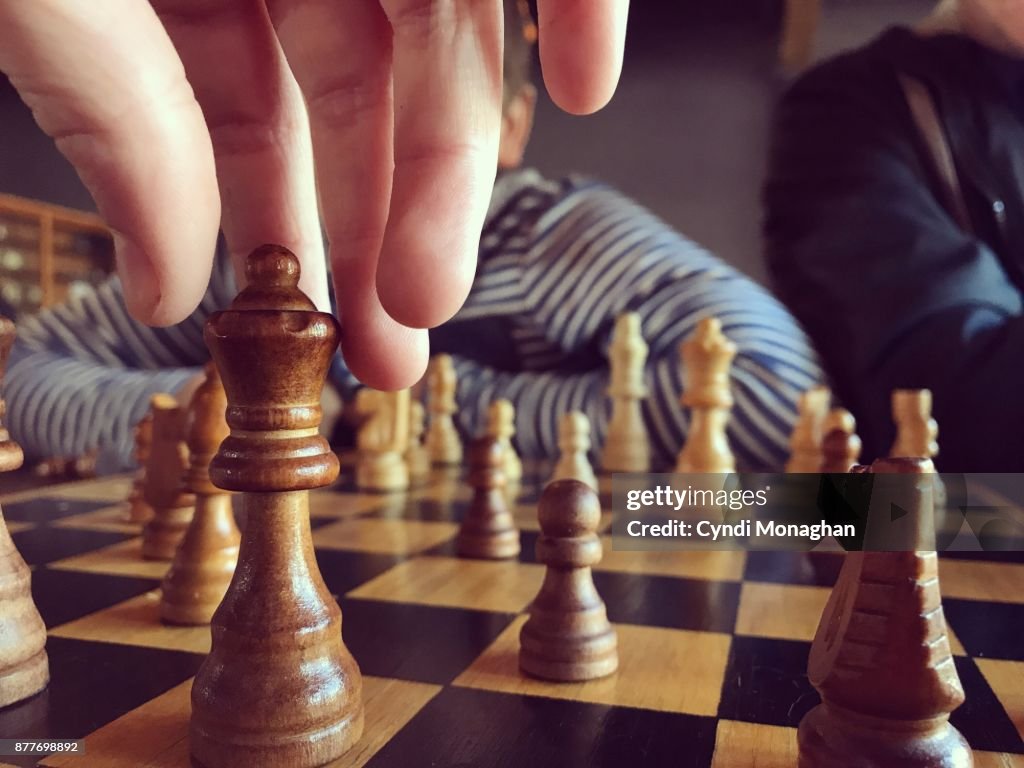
{"x":861,"y":247}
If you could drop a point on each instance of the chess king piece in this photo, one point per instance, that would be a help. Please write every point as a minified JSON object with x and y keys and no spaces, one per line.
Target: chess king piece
{"x":840,"y":446}
{"x":138,"y":510}
{"x":568,"y":637}
{"x":707,"y":357}
{"x":382,"y":439}
{"x":168,"y":458}
{"x":573,"y":444}
{"x":205,"y":561}
{"x":501,"y":425}
{"x":627,"y":445}
{"x":417,"y":459}
{"x":487,"y":530}
{"x":279,"y":687}
{"x":805,"y":443}
{"x":442,"y":438}
{"x":24,"y":668}
{"x":881,"y":658}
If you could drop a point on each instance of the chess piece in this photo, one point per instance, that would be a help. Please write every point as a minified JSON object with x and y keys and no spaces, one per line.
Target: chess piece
{"x":627,"y":445}
{"x":568,"y":637}
{"x":168,"y":458}
{"x":840,"y":446}
{"x":487,"y":530}
{"x":382,"y":439}
{"x":24,"y":667}
{"x":881,"y":658}
{"x":707,"y":357}
{"x":138,"y":510}
{"x":205,"y":561}
{"x":501,"y":425}
{"x":574,"y":443}
{"x":417,"y":459}
{"x":805,"y":441}
{"x":917,"y":432}
{"x":443,"y":442}
{"x":279,"y":686}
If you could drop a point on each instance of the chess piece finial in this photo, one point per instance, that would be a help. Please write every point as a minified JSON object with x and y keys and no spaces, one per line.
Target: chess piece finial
{"x":840,"y":446}
{"x":574,"y":445}
{"x":805,"y":442}
{"x":205,"y":560}
{"x":172,"y":505}
{"x":24,"y":667}
{"x":881,"y":658}
{"x":501,"y":425}
{"x":707,"y":357}
{"x":487,"y":530}
{"x":442,"y":438}
{"x":382,"y":440}
{"x":417,"y":459}
{"x":568,"y":636}
{"x":279,"y":686}
{"x":627,"y":445}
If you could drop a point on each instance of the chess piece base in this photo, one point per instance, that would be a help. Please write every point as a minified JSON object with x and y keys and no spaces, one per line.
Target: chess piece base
{"x":488,"y":546}
{"x":25,"y":679}
{"x":830,"y":739}
{"x":160,"y":537}
{"x":382,"y":473}
{"x":568,"y":659}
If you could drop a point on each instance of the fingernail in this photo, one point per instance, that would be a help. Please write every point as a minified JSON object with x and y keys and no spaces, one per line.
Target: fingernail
{"x":141,"y":290}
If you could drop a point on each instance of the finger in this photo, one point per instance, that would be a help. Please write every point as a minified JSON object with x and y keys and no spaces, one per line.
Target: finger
{"x":581,"y":44}
{"x":447,"y":95}
{"x":258,"y":126}
{"x":341,"y":56}
{"x":104,"y":81}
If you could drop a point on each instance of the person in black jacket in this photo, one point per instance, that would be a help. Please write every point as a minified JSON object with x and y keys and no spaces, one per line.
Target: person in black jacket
{"x":895,"y":226}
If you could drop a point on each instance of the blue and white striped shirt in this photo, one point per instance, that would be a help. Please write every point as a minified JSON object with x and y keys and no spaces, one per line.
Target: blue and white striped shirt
{"x":559,"y":261}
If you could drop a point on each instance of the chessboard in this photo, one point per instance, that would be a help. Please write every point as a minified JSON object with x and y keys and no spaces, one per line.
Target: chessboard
{"x":713,"y":645}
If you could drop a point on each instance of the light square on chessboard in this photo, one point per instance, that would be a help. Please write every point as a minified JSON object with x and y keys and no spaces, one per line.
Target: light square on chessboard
{"x":156,"y":734}
{"x":136,"y":622}
{"x":15,"y":526}
{"x":112,"y":490}
{"x":709,"y":565}
{"x":383,"y":536}
{"x":977,"y":580}
{"x":121,"y":559}
{"x":1006,"y":679}
{"x":490,"y":585}
{"x":790,"y":612}
{"x":110,"y":518}
{"x":329,"y":503}
{"x":648,"y":656}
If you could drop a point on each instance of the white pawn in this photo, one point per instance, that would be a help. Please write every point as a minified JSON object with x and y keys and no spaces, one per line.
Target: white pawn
{"x":707,"y":357}
{"x":443,"y":443}
{"x":574,"y":443}
{"x":501,"y":425}
{"x":627,"y":446}
{"x":416,"y":457}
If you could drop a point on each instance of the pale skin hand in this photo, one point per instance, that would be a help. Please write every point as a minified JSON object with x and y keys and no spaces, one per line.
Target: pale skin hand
{"x":182,"y":116}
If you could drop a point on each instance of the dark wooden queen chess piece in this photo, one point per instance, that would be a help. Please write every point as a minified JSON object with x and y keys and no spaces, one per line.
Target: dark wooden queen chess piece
{"x":24,"y":668}
{"x":279,"y":688}
{"x":881,"y":658}
{"x":205,"y":561}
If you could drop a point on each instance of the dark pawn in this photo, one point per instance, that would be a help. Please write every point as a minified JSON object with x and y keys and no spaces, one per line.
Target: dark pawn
{"x":487,"y":530}
{"x":568,"y":637}
{"x":881,"y":658}
{"x":24,"y":669}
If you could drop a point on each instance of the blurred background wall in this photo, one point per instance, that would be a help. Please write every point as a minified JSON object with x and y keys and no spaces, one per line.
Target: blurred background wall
{"x":686,"y":133}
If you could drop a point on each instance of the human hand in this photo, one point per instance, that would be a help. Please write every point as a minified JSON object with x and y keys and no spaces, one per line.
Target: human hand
{"x":398,"y":101}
